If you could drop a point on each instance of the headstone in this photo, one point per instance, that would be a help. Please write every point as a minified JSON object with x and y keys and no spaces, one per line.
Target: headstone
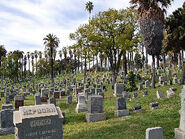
{"x":38,"y":122}
{"x":140,"y":86}
{"x":57,"y":94}
{"x":19,"y":101}
{"x":145,"y":93}
{"x":81,"y":106}
{"x":147,"y":84}
{"x":180,"y":132}
{"x":6,"y":119}
{"x":135,"y":95}
{"x":69,"y":99}
{"x":53,"y":101}
{"x":154,"y":105}
{"x":118,"y":89}
{"x":154,"y":133}
{"x":121,"y":107}
{"x":170,"y":93}
{"x":159,"y":94}
{"x":137,"y":108}
{"x":37,"y":99}
{"x":95,"y":109}
{"x":175,"y":80}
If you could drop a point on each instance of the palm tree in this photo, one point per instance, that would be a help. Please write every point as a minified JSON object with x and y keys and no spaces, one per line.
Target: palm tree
{"x":36,"y":56}
{"x":32,"y":62}
{"x":65,"y":54}
{"x":2,"y":53}
{"x":151,"y":21}
{"x":51,"y":42}
{"x":60,"y":55}
{"x":28,"y":56}
{"x":25,"y":62}
{"x":89,"y":7}
{"x":40,"y":54}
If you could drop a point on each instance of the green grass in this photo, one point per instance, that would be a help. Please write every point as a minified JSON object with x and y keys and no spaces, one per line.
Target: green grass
{"x":132,"y":127}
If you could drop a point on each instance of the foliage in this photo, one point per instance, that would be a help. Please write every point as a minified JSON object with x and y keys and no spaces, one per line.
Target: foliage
{"x":138,"y":61}
{"x":131,"y":85}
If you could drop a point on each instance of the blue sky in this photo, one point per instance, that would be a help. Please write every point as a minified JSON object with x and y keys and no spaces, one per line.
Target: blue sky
{"x":24,"y":23}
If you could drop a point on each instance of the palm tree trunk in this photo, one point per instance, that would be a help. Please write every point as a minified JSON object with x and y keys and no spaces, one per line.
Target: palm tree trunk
{"x":146,"y":62}
{"x":157,"y":61}
{"x":153,"y":68}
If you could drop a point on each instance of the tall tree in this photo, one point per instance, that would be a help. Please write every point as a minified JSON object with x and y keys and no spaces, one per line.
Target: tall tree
{"x":151,"y":21}
{"x":28,"y":56}
{"x":51,"y":42}
{"x":89,"y":7}
{"x":2,"y":54}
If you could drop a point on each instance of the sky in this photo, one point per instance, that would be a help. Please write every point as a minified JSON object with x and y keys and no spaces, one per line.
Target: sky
{"x":24,"y":23}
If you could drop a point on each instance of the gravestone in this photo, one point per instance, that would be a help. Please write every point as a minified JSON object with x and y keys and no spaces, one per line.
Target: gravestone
{"x":170,"y":93}
{"x":180,"y":132}
{"x":69,"y":99}
{"x":154,"y":133}
{"x":52,"y":101}
{"x":121,"y":107}
{"x":140,"y":86}
{"x":37,"y":99}
{"x":159,"y":94}
{"x":19,"y":101}
{"x":6,"y":119}
{"x":95,"y":109}
{"x":137,"y":108}
{"x":147,"y":84}
{"x":154,"y":105}
{"x":118,"y":89}
{"x":81,"y":106}
{"x":135,"y":95}
{"x":145,"y":93}
{"x":175,"y":80}
{"x":38,"y":122}
{"x":57,"y":94}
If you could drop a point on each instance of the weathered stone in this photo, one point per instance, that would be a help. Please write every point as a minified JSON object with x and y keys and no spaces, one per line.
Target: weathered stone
{"x":6,"y":120}
{"x":121,"y":107}
{"x":180,"y":132}
{"x":159,"y":94}
{"x":53,"y":101}
{"x":118,"y":89}
{"x":19,"y":101}
{"x":95,"y":109}
{"x":154,"y":133}
{"x":39,"y":121}
{"x":69,"y":99}
{"x":147,"y":84}
{"x":37,"y":99}
{"x":170,"y":93}
{"x":81,"y":106}
{"x":154,"y":105}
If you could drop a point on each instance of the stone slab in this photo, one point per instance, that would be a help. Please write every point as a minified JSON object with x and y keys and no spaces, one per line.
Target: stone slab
{"x":121,"y":113}
{"x":95,"y":117}
{"x":179,"y":134}
{"x":154,"y":133}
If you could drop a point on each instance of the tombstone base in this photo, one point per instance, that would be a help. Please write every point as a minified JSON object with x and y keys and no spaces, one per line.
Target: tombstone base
{"x":153,"y":108}
{"x":138,"y":111}
{"x":79,"y":110}
{"x":120,"y":113}
{"x":6,"y":131}
{"x":95,"y":117}
{"x":179,"y":134}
